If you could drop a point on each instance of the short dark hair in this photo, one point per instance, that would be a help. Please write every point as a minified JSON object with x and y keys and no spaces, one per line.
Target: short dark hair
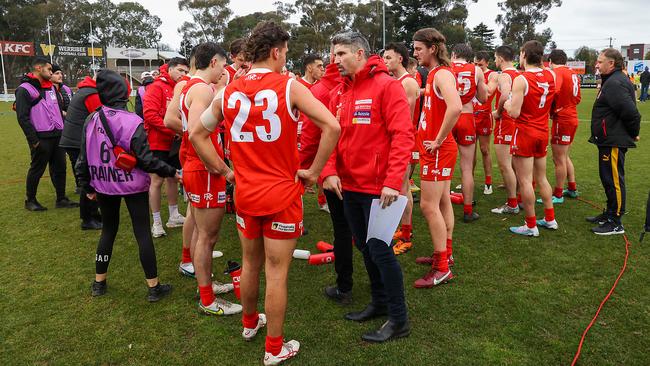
{"x":507,"y":53}
{"x":482,"y":55}
{"x":175,"y":61}
{"x":400,"y":49}
{"x":533,"y":52}
{"x":264,"y":37}
{"x":237,"y":46}
{"x":310,"y":59}
{"x":558,"y":57}
{"x":464,"y":51}
{"x":204,"y":52}
{"x":40,"y":61}
{"x":615,"y":55}
{"x":432,"y":37}
{"x":354,"y":40}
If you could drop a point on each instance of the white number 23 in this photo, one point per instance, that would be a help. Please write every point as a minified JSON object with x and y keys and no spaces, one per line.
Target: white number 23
{"x":275,"y":125}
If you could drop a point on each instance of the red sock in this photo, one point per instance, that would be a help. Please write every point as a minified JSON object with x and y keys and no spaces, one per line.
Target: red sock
{"x":512,"y":202}
{"x":519,"y":198}
{"x":531,"y":222}
{"x":187,"y":258}
{"x":321,"y":198}
{"x":207,"y":296}
{"x":406,"y":231}
{"x":440,"y":261}
{"x":273,"y":345}
{"x":467,"y":209}
{"x":250,"y":320}
{"x":557,"y":192}
{"x":572,"y":186}
{"x":549,"y":214}
{"x":488,"y":180}
{"x":449,"y":247}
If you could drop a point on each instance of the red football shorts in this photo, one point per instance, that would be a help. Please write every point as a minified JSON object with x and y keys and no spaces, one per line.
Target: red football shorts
{"x":503,"y":131}
{"x":283,"y":225}
{"x":439,"y":166}
{"x":465,"y":131}
{"x":528,"y":144}
{"x":563,"y":132}
{"x":483,"y":122}
{"x":205,"y":190}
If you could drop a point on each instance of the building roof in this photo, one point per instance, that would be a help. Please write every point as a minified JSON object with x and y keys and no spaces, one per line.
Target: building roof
{"x":166,"y":55}
{"x":139,"y":53}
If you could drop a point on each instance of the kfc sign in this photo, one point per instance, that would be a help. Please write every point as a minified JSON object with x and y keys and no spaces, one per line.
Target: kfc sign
{"x":17,"y":48}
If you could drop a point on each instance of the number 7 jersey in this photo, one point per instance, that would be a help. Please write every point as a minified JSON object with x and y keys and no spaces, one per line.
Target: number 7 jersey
{"x":538,"y":98}
{"x":261,"y":135}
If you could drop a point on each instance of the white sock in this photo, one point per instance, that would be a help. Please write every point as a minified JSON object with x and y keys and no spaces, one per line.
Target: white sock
{"x":156,"y":218}
{"x":173,"y":210}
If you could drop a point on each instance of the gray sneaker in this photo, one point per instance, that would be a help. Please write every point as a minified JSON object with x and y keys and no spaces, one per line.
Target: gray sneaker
{"x":505,"y":209}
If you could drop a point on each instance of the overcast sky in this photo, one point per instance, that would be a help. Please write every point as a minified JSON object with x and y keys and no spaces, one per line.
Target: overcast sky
{"x":574,"y":24}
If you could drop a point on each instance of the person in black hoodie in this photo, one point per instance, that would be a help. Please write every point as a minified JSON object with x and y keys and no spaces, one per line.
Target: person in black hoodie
{"x":39,"y":114}
{"x":64,"y":92}
{"x":102,"y":177}
{"x":83,"y":103}
{"x":615,"y":125}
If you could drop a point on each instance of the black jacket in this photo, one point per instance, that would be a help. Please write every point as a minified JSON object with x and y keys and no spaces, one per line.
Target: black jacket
{"x":139,"y":103}
{"x":75,"y":118}
{"x":645,"y":77}
{"x":24,"y":104}
{"x":615,"y":120}
{"x":113,"y":92}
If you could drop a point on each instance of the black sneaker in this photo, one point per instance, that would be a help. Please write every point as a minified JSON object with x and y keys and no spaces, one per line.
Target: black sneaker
{"x":98,"y":288}
{"x":158,"y":292}
{"x":91,"y":224}
{"x":609,"y":228}
{"x":598,"y":219}
{"x":33,"y":205}
{"x":467,"y":218}
{"x":334,"y":294}
{"x":66,"y":203}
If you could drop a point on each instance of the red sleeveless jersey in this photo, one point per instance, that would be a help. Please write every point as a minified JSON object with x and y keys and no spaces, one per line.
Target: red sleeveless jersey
{"x":466,"y":80}
{"x":230,"y":70}
{"x":192,"y":160}
{"x":513,"y":73}
{"x":416,"y":110}
{"x":306,"y":83}
{"x":538,"y":99}
{"x":487,"y":106}
{"x":433,"y":113}
{"x":261,"y":132}
{"x":568,"y":95}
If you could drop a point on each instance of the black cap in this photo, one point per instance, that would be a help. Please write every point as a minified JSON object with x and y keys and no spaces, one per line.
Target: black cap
{"x":55,"y":68}
{"x":112,"y":88}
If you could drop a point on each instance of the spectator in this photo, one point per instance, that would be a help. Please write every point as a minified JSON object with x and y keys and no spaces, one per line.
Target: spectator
{"x":645,"y":81}
{"x":147,"y":79}
{"x":615,"y":125}
{"x":63,"y":91}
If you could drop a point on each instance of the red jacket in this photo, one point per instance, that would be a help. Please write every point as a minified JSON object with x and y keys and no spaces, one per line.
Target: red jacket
{"x":310,"y":137}
{"x":92,"y":101}
{"x":376,"y":131}
{"x":159,"y":94}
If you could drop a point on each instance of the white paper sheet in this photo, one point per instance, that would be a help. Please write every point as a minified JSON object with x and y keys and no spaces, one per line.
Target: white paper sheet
{"x":384,"y":221}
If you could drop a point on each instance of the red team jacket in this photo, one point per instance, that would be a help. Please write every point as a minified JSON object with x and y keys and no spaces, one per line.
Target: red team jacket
{"x":159,"y":94}
{"x":376,"y":131}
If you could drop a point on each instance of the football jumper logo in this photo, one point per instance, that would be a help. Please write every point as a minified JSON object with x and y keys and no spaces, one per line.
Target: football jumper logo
{"x":283,"y":227}
{"x":221,"y":197}
{"x":362,"y":108}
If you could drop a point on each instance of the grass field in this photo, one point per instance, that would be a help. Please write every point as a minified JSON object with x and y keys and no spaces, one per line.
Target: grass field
{"x":516,"y":301}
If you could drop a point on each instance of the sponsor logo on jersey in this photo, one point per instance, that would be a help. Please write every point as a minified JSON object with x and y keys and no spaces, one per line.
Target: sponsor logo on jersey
{"x":446,"y":172}
{"x":425,"y":169}
{"x":221,"y":197}
{"x":283,"y":227}
{"x":507,"y":138}
{"x":208,"y":197}
{"x":240,"y":221}
{"x":415,"y":155}
{"x":469,"y":138}
{"x":194,"y":197}
{"x":362,"y":109}
{"x":566,"y":138}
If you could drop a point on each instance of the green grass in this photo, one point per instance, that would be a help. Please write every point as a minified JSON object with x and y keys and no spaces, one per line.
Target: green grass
{"x":516,"y":301}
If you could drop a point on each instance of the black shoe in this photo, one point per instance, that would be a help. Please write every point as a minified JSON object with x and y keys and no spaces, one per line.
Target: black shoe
{"x":598,"y":219}
{"x":608,"y":228}
{"x":158,"y":292}
{"x":467,"y":218}
{"x":98,"y":288}
{"x":370,"y":312}
{"x":305,"y":232}
{"x":333,"y":293}
{"x":66,"y":203}
{"x":33,"y":205}
{"x":91,"y":224}
{"x":388,"y":331}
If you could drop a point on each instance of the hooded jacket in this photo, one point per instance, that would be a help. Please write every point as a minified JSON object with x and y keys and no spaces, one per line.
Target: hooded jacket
{"x":158,"y":95}
{"x":310,"y":137}
{"x":24,"y":104}
{"x":139,"y":102}
{"x":114,"y":93}
{"x":615,"y":120}
{"x":83,"y":103}
{"x":376,"y":131}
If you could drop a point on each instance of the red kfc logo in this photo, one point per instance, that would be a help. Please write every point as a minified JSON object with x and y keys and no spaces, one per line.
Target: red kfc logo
{"x":17,"y":48}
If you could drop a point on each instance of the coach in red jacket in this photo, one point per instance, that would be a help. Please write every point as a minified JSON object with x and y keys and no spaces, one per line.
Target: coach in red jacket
{"x":370,"y":162}
{"x":163,"y":142}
